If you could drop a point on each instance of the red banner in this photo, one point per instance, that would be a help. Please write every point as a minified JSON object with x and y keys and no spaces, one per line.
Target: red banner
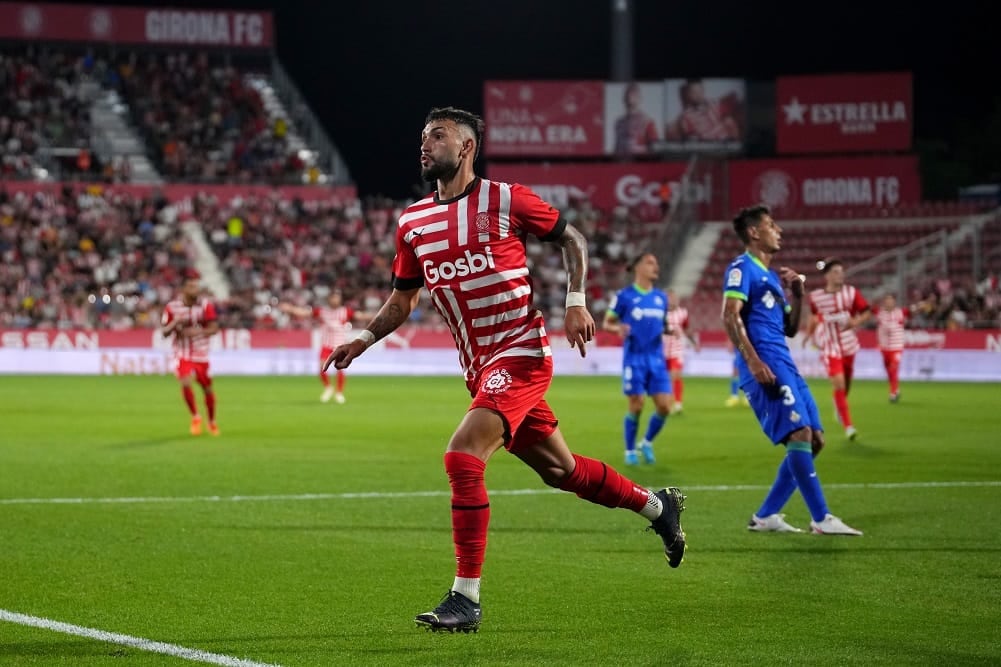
{"x":246,"y":339}
{"x":637,"y":186}
{"x":844,"y":113}
{"x":788,"y":185}
{"x":134,"y":25}
{"x":544,"y":118}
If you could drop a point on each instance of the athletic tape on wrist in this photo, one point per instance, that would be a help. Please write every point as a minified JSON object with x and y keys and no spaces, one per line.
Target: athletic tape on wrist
{"x":365,"y":336}
{"x":575,"y":299}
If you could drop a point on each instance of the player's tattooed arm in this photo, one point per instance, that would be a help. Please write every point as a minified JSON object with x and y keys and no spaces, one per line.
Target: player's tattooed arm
{"x":735,"y":331}
{"x":393,"y":313}
{"x":574,"y":258}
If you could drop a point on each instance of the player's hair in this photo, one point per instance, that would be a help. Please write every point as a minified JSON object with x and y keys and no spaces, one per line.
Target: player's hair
{"x":686,"y":86}
{"x":460,"y":117}
{"x":636,"y":260}
{"x":749,"y":216}
{"x":828,"y":263}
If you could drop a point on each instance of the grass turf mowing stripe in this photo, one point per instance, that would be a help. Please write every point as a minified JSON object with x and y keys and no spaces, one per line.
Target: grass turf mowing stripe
{"x":439,"y":494}
{"x":148,"y":645}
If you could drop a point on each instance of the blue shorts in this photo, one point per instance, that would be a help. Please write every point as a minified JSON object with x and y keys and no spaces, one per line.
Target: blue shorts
{"x":645,"y":375}
{"x":783,"y":407}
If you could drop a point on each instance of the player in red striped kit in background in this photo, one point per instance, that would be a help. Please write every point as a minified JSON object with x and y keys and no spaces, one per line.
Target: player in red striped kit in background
{"x":335,"y":322}
{"x":890,"y":323}
{"x":839,"y":309}
{"x":465,"y":242}
{"x":191,"y":320}
{"x":676,"y":332}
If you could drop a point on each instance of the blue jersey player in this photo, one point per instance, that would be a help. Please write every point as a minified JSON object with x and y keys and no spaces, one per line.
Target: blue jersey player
{"x":758,"y":317}
{"x":638,"y":313}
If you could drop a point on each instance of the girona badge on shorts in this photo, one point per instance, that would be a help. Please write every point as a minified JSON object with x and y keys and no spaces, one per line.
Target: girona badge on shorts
{"x":497,"y":382}
{"x":482,"y":222}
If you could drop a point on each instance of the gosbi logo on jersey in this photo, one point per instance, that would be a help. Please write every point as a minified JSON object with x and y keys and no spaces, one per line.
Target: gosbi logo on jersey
{"x":497,"y":382}
{"x":473,"y":262}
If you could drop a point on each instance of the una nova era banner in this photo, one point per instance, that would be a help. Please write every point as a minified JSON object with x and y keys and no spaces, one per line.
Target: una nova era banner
{"x":543,"y":117}
{"x":844,"y":113}
{"x":803,"y":183}
{"x":135,"y":25}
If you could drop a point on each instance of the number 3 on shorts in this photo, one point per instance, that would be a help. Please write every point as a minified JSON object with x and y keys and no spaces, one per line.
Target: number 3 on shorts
{"x":787,"y":397}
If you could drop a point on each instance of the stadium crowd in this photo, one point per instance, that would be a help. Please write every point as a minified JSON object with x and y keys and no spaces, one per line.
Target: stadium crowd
{"x":87,"y":258}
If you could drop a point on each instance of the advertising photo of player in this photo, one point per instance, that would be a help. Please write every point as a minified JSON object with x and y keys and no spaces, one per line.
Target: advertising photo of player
{"x":634,"y":128}
{"x":709,"y":113}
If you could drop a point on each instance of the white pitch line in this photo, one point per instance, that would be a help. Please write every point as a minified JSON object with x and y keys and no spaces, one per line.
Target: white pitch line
{"x":127,"y":640}
{"x":135,"y":500}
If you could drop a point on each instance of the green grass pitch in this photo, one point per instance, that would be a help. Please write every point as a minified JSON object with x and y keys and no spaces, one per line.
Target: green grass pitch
{"x":278,"y":577}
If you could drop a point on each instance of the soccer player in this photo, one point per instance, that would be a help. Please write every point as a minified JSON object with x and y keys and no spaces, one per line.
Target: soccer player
{"x":191,"y":320}
{"x":757,"y":317}
{"x":890,"y":336}
{"x":677,"y":332}
{"x":839,"y":309}
{"x":335,"y":322}
{"x":637,"y":313}
{"x":466,"y":243}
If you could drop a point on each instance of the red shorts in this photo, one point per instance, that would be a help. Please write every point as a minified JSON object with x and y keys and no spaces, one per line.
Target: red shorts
{"x":844,"y":365}
{"x":514,"y":388}
{"x":324,"y":353}
{"x":891,"y":357}
{"x":675,"y":364}
{"x":199,"y":368}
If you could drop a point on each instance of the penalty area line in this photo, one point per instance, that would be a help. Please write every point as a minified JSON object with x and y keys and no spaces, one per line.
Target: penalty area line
{"x":147,"y":645}
{"x":382,"y":495}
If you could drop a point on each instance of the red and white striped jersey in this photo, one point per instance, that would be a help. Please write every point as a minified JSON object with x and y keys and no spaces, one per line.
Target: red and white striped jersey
{"x":201,"y":313}
{"x":335,"y":324}
{"x":704,"y":122}
{"x":834,"y":310}
{"x":890,"y":328}
{"x":677,"y":322}
{"x":469,"y":252}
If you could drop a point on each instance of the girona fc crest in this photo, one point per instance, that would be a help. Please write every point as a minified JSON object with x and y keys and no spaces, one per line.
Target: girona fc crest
{"x":497,"y":382}
{"x":482,"y":222}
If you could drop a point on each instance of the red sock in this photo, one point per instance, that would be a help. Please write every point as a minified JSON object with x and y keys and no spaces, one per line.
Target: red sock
{"x":679,"y":389}
{"x":340,"y":382}
{"x":210,"y":404}
{"x":325,"y":379}
{"x":470,"y":511}
{"x":841,"y":403}
{"x":189,"y":398}
{"x":893,"y":371}
{"x":599,"y":483}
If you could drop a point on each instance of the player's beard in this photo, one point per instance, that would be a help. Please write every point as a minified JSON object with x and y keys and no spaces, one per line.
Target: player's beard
{"x":440,"y":171}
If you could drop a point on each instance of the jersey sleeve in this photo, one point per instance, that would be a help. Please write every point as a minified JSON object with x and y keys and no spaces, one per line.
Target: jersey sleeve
{"x":407,"y":273}
{"x":736,"y":283}
{"x":209,"y":312}
{"x":166,"y":316}
{"x":615,"y":307}
{"x":532,"y":214}
{"x":859,"y":305}
{"x":813,"y":304}
{"x":905,"y":313}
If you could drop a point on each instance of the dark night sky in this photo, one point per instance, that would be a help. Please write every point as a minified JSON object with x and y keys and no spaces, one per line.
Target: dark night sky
{"x":372,"y":69}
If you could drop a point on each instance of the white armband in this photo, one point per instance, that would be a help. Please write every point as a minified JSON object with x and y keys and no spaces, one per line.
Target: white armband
{"x":365,"y":336}
{"x":575,"y":299}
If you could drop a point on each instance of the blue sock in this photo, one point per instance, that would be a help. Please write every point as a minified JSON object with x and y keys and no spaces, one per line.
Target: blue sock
{"x":653,"y":427}
{"x":782,"y":489}
{"x":733,"y":390}
{"x":800,"y":458}
{"x":631,"y":426}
